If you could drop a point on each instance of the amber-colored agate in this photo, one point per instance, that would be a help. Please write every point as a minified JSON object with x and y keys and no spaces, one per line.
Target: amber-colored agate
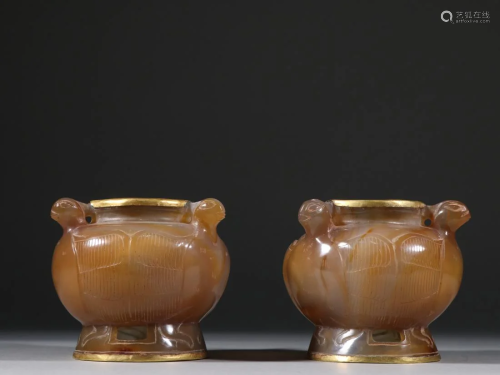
{"x":372,"y":275}
{"x":140,"y":276}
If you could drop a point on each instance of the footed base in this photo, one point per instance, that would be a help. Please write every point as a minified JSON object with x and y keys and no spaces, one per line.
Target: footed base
{"x":375,"y":358}
{"x":138,"y":357}
{"x":148,"y":343}
{"x":414,"y":345}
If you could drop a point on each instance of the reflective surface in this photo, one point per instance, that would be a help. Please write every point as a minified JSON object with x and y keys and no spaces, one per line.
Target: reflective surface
{"x":267,"y":353}
{"x":373,"y":278}
{"x":140,"y":277}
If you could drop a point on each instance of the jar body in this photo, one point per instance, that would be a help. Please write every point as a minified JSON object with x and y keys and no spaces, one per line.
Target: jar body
{"x":375,"y":275}
{"x":140,"y":279}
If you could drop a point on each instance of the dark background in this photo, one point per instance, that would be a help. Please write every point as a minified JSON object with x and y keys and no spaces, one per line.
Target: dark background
{"x":260,"y":104}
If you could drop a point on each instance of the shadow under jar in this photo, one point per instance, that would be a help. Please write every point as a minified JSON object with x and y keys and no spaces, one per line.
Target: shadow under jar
{"x":372,"y":275}
{"x":140,"y":276}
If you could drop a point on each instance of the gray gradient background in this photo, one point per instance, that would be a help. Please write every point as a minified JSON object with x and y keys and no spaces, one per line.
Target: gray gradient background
{"x":261,"y":105}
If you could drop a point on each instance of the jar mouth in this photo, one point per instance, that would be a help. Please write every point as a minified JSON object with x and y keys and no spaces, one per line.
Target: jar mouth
{"x":150,"y":202}
{"x":365,"y":203}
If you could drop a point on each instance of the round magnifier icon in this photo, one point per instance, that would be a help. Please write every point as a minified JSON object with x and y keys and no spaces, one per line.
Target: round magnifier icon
{"x":448,"y":19}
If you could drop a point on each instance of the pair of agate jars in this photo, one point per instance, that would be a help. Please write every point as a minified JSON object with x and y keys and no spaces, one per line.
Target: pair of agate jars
{"x":140,"y":274}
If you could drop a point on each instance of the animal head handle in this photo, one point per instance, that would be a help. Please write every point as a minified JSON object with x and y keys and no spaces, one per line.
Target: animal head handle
{"x":70,"y":213}
{"x":449,"y":215}
{"x":315,"y":217}
{"x":209,"y":213}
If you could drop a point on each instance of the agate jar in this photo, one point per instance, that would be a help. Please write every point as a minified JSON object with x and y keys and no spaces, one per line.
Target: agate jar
{"x":140,"y":275}
{"x":372,"y":275}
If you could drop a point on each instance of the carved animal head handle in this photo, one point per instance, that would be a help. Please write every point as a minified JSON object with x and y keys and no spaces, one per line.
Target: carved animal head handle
{"x":449,"y":215}
{"x":315,"y":217}
{"x":70,"y":213}
{"x":209,"y":213}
